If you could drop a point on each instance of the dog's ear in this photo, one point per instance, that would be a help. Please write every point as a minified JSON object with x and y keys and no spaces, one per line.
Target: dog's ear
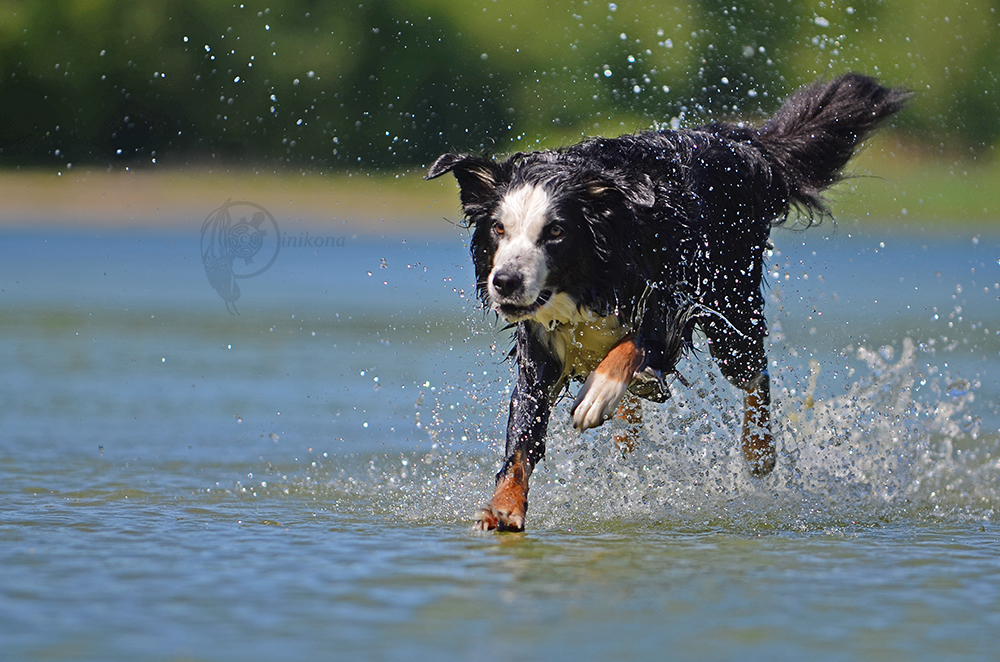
{"x":477,"y":176}
{"x":638,"y":191}
{"x":601,"y":189}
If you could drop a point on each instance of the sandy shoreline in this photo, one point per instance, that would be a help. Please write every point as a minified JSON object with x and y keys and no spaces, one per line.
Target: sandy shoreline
{"x":908,"y":193}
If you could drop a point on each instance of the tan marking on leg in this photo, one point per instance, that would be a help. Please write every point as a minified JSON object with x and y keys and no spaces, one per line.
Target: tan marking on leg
{"x":622,"y":361}
{"x":758,"y":445}
{"x":507,"y":509}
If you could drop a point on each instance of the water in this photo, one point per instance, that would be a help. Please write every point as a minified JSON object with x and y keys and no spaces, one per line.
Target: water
{"x":296,"y":481}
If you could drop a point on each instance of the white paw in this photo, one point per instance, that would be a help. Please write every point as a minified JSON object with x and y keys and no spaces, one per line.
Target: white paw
{"x":597,"y":401}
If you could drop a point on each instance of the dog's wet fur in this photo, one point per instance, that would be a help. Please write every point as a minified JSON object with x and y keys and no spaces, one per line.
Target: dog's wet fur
{"x":606,"y":255}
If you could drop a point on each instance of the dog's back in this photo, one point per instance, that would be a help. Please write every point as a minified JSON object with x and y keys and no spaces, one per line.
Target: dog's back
{"x":797,"y":154}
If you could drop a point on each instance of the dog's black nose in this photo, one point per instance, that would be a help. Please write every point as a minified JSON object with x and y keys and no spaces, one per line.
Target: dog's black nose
{"x":507,"y":282}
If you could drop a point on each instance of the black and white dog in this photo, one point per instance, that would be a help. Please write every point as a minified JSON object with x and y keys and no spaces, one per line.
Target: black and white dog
{"x":606,"y":255}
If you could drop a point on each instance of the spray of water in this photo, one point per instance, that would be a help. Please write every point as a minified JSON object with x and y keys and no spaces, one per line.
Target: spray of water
{"x":897,"y":444}
{"x":865,"y":435}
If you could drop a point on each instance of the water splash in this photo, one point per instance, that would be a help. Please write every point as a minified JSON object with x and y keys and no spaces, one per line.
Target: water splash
{"x":897,"y":445}
{"x":899,"y":441}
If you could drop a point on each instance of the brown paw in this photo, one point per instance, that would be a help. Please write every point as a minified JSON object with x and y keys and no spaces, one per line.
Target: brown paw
{"x":626,"y":442}
{"x":488,"y":518}
{"x":505,"y":512}
{"x":760,"y":460}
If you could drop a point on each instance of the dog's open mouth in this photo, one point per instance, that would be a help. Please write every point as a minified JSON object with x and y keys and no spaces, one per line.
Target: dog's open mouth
{"x":515,"y":313}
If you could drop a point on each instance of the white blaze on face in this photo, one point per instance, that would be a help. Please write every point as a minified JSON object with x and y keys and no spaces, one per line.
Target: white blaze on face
{"x":523,"y":213}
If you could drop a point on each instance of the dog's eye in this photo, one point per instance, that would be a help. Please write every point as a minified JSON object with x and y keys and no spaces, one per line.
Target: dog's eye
{"x":498,"y":227}
{"x":555,"y":231}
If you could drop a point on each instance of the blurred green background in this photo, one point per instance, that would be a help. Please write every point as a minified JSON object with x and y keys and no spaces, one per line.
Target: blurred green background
{"x":387,"y":85}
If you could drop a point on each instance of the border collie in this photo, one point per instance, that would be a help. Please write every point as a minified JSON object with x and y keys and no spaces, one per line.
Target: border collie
{"x":604,"y":256}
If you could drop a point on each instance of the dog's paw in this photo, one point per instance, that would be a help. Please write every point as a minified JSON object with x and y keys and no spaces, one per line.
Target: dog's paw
{"x":603,"y":391}
{"x":486,"y":519}
{"x":597,"y":401}
{"x":506,"y":511}
{"x":490,"y":518}
{"x":763,"y":465}
{"x":760,"y":453}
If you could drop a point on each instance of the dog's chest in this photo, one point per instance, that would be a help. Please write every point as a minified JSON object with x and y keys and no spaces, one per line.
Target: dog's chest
{"x":582,"y":347}
{"x":580,"y":339}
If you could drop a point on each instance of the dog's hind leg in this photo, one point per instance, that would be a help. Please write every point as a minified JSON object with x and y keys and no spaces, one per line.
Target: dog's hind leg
{"x":743,"y":362}
{"x":758,"y":444}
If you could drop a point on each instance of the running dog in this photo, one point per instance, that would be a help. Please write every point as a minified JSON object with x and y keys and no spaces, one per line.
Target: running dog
{"x":605,"y":255}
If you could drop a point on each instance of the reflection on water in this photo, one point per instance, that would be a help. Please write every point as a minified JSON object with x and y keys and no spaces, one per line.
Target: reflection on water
{"x":171,"y":468}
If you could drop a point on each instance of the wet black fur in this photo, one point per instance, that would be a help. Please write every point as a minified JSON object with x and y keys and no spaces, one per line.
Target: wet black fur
{"x":667,"y":229}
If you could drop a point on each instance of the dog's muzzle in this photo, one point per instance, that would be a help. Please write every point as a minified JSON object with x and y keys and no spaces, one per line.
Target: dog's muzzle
{"x":507,"y":284}
{"x":515,"y":309}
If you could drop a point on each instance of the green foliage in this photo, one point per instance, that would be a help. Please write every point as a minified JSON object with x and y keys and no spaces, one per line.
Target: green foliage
{"x":390,"y":83}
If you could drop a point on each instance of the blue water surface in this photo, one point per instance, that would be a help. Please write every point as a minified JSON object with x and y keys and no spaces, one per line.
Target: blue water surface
{"x":294,"y":477}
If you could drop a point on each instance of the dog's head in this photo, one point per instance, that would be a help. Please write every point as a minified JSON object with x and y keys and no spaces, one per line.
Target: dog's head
{"x":545,"y":231}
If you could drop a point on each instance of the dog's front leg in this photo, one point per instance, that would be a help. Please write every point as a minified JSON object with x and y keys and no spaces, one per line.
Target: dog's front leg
{"x":758,"y":445}
{"x":603,"y":391}
{"x":530,"y":404}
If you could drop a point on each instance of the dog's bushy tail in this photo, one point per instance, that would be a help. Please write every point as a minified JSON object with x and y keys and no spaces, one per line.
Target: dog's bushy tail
{"x":816,"y":131}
